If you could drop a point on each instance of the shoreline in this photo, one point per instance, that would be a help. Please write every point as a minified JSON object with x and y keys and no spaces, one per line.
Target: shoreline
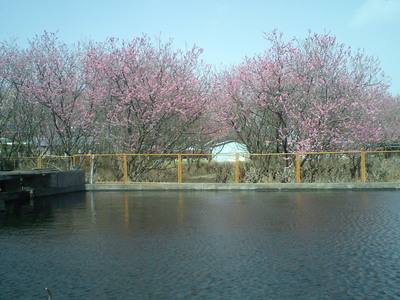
{"x":241,"y":186}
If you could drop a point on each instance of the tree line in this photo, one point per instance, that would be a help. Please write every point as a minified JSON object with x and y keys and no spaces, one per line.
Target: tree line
{"x":144,"y":96}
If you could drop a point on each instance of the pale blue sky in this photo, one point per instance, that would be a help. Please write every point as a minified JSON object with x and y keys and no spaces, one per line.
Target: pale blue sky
{"x":227,"y":30}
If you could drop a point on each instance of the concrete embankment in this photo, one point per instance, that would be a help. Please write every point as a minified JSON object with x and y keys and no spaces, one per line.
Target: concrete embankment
{"x":25,"y":184}
{"x":38,"y":183}
{"x":242,"y":186}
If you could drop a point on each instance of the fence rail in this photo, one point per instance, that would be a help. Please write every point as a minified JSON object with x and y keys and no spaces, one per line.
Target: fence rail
{"x":347,"y":166}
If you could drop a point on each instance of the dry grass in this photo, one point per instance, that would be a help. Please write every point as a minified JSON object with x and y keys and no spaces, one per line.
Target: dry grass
{"x":380,"y":167}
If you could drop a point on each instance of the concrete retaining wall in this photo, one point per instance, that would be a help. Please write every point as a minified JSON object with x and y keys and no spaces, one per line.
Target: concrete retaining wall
{"x":243,"y":186}
{"x":61,"y":182}
{"x":51,"y":182}
{"x":42,"y":182}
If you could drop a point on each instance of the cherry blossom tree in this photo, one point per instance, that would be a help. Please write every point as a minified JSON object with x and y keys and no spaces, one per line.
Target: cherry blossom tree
{"x":304,"y":95}
{"x":339,"y":97}
{"x":151,"y":95}
{"x":56,"y":83}
{"x":144,"y":96}
{"x":390,"y":116}
{"x":134,"y":97}
{"x":19,"y":119}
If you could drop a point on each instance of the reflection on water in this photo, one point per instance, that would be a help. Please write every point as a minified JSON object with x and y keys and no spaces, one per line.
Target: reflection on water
{"x":203,"y":245}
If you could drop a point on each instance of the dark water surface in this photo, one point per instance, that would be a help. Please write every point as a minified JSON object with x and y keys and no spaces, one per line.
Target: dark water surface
{"x":204,"y":245}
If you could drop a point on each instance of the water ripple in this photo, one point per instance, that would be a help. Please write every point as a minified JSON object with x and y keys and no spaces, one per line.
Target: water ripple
{"x":192,"y":245}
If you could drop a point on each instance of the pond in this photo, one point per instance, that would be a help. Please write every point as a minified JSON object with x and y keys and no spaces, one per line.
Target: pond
{"x":203,"y":245}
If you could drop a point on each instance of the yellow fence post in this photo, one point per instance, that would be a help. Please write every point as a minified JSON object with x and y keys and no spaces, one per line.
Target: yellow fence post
{"x":90,"y":166}
{"x":39,"y":162}
{"x":298,"y":166}
{"x":237,"y":168}
{"x":179,"y":168}
{"x":125,"y":169}
{"x":363,"y":167}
